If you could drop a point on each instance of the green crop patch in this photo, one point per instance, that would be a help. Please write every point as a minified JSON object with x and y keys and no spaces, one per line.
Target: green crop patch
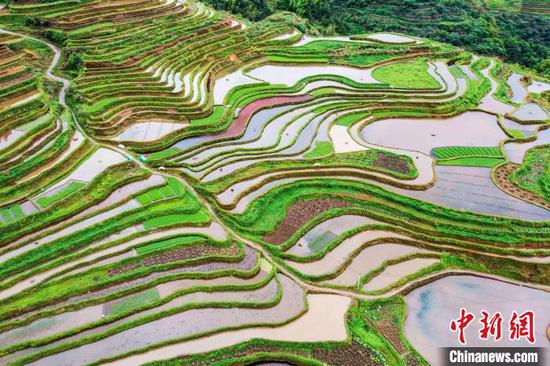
{"x":194,"y":219}
{"x":471,"y":161}
{"x":408,"y":75}
{"x":534,"y":174}
{"x":322,"y":149}
{"x":213,"y":118}
{"x":463,"y":151}
{"x":164,"y":245}
{"x":135,"y":301}
{"x":351,"y":118}
{"x":72,"y":187}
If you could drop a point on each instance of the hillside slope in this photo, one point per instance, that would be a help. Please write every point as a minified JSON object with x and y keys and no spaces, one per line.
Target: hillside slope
{"x":514,"y":30}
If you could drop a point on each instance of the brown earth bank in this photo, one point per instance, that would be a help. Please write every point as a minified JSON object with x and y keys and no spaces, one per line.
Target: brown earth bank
{"x":299,"y":214}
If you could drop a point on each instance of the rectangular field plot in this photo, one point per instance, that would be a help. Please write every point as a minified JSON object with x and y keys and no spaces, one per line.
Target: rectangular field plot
{"x":59,"y":194}
{"x":459,"y":151}
{"x":170,"y":190}
{"x":11,"y":214}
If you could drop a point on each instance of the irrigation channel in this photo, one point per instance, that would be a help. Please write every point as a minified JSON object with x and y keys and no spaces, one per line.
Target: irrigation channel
{"x":256,"y":246}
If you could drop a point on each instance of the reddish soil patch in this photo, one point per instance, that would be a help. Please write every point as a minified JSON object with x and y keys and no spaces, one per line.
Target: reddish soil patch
{"x":238,"y":124}
{"x":391,"y":333}
{"x":300,"y":213}
{"x":11,"y":70}
{"x":502,"y":180}
{"x":194,"y":251}
{"x":188,"y":253}
{"x":352,"y":354}
{"x":16,"y":80}
{"x":394,"y":163}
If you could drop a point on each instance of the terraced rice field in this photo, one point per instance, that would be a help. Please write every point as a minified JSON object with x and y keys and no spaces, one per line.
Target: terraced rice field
{"x":180,"y":185}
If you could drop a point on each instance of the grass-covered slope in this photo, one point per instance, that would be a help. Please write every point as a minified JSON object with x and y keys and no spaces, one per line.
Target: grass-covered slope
{"x":514,"y":30}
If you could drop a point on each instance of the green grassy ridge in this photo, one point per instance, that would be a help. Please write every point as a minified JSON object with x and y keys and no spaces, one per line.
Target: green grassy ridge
{"x":481,"y":156}
{"x":471,"y":161}
{"x":393,"y":309}
{"x":500,"y":73}
{"x":65,"y":259}
{"x":402,"y":281}
{"x":25,"y":142}
{"x":243,"y":94}
{"x":45,"y":201}
{"x":360,"y":160}
{"x":12,"y":213}
{"x":60,"y":144}
{"x":415,"y":237}
{"x":83,"y":237}
{"x":321,"y":150}
{"x":507,"y":232}
{"x":463,"y":151}
{"x":72,"y":306}
{"x":152,"y":317}
{"x":135,"y":301}
{"x":98,"y":278}
{"x":175,"y":219}
{"x":46,"y":178}
{"x":171,"y":243}
{"x":114,"y":317}
{"x":336,"y":51}
{"x":97,"y":190}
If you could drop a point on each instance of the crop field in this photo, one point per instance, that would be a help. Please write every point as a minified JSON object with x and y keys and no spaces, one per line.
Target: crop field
{"x":180,"y":186}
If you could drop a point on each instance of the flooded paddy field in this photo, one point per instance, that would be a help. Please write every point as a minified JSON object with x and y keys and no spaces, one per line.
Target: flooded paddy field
{"x":431,"y":308}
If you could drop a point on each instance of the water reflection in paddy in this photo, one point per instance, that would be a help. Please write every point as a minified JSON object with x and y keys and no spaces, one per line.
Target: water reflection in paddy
{"x":530,"y":112}
{"x":515,"y":151}
{"x":431,"y":308}
{"x":518,"y":90}
{"x":467,"y":129}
